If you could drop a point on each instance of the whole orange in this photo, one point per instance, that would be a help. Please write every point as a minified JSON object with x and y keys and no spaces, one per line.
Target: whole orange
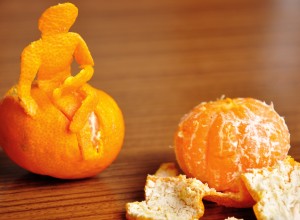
{"x":217,"y":141}
{"x":44,"y":144}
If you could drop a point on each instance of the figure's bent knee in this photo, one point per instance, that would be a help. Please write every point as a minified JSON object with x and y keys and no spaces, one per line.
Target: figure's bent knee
{"x":90,"y":92}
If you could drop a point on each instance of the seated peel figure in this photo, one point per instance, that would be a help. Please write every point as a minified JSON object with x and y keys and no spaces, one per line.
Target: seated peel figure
{"x":50,"y":58}
{"x":53,"y":123}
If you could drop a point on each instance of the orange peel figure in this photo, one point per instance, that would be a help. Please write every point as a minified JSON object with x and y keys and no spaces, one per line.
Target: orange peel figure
{"x":53,"y":123}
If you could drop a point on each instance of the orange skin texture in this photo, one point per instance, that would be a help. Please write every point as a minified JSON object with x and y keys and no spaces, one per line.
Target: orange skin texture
{"x":57,"y":124}
{"x":44,"y":144}
{"x":217,"y":141}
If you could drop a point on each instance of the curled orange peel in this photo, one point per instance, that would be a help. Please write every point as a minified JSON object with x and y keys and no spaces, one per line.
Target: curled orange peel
{"x":275,"y":189}
{"x":48,"y":60}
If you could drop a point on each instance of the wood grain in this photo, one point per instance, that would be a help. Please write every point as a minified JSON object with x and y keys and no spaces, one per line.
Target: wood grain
{"x":158,"y":59}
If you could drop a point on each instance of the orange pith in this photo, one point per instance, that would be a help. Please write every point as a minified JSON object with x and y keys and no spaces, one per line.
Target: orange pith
{"x":217,"y":141}
{"x":59,"y":125}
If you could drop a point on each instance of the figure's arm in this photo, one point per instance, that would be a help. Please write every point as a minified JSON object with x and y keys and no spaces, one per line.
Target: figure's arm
{"x":30,"y":63}
{"x":82,"y":54}
{"x":84,"y":58}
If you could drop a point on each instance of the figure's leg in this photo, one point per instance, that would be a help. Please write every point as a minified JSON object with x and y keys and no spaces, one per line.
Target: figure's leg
{"x":73,"y":83}
{"x":88,"y":105}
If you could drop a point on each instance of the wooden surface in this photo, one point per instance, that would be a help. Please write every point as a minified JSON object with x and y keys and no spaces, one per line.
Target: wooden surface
{"x":158,"y":59}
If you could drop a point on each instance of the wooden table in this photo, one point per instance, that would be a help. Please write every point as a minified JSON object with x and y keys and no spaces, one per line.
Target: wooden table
{"x":158,"y":59}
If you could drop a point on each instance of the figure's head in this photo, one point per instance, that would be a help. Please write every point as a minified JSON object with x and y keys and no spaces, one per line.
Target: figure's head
{"x":58,"y":19}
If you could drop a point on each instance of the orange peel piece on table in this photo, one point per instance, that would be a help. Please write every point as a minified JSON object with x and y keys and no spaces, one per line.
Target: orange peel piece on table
{"x":167,"y":170}
{"x":170,"y":198}
{"x":276,"y":190}
{"x":49,"y":60}
{"x":232,"y":199}
{"x":169,"y":195}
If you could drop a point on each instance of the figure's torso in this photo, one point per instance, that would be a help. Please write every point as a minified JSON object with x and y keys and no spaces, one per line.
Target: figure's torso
{"x":56,"y":57}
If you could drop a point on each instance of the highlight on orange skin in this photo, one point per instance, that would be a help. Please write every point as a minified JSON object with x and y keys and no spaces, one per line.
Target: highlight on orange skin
{"x":53,"y":123}
{"x":217,"y":141}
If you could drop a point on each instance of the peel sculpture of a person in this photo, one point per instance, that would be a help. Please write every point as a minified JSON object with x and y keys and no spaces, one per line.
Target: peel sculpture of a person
{"x":50,"y":59}
{"x":54,"y":123}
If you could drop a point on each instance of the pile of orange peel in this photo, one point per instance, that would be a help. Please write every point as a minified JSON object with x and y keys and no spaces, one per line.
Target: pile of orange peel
{"x":274,"y":189}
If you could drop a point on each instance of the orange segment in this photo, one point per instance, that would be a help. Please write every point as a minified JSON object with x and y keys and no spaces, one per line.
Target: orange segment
{"x":217,"y":141}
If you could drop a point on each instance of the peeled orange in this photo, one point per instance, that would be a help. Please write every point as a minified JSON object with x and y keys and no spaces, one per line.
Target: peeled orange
{"x":217,"y":141}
